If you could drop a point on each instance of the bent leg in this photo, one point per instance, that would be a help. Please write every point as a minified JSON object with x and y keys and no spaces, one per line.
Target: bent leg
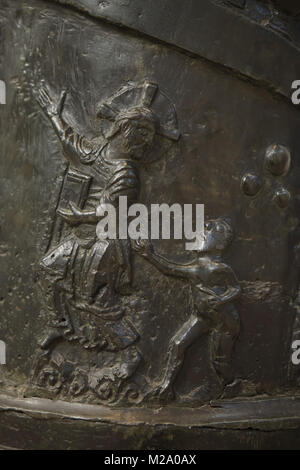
{"x":223,"y":343}
{"x":184,"y":338}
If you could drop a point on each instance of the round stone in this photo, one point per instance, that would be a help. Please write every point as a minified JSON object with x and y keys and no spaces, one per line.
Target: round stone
{"x":282,"y":198}
{"x":251,"y":184}
{"x":278,"y":159}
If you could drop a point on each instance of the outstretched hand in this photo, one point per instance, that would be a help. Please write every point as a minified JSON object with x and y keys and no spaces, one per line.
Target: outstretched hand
{"x":48,"y":105}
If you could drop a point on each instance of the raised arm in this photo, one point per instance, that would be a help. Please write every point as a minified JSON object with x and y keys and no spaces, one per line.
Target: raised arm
{"x":77,"y":149}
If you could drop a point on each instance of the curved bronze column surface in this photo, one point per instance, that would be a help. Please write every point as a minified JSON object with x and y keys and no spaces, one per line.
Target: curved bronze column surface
{"x":139,"y":110}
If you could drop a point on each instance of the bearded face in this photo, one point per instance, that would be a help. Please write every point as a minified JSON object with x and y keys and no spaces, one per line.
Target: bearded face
{"x":138,"y":138}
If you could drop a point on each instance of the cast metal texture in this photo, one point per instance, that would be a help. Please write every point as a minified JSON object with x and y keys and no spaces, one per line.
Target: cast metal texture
{"x":159,"y":102}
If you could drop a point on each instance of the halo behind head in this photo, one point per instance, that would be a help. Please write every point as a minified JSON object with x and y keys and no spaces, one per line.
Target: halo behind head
{"x":146,"y":99}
